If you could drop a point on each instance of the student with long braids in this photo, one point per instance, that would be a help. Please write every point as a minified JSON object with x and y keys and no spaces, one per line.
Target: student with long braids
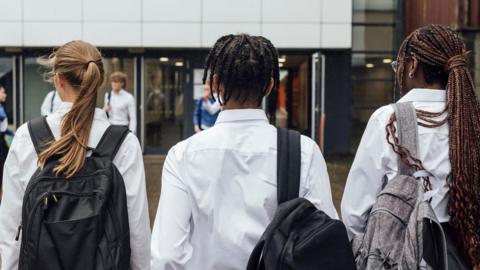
{"x":77,"y":73}
{"x":432,"y":73}
{"x":219,"y":186}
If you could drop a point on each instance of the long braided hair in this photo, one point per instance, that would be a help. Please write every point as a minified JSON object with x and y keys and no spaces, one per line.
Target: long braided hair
{"x":244,"y":65}
{"x":442,"y":57}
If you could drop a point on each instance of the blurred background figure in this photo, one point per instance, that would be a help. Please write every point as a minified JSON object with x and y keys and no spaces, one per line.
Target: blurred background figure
{"x":4,"y":130}
{"x":206,"y":111}
{"x":50,"y":103}
{"x":119,"y":104}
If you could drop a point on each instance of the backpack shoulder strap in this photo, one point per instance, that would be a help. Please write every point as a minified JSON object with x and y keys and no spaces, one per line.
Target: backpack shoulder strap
{"x":52,"y":100}
{"x":111,"y":141}
{"x":407,"y":130}
{"x":109,"y":97}
{"x":288,"y":164}
{"x":40,"y":133}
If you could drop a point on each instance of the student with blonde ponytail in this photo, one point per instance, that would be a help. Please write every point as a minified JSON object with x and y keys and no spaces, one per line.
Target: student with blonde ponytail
{"x":74,"y":186}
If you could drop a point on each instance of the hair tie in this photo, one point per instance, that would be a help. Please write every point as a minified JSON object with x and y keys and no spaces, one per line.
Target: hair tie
{"x":91,"y":61}
{"x":457,"y":61}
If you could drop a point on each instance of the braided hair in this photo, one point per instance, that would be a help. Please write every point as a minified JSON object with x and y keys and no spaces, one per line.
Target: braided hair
{"x":442,"y":56}
{"x":244,"y":65}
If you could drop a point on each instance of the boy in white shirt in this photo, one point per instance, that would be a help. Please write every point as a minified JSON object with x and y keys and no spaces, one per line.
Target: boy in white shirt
{"x":120,"y":104}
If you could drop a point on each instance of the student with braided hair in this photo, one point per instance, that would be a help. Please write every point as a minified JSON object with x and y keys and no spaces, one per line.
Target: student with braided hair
{"x":432,"y":73}
{"x":219,"y":188}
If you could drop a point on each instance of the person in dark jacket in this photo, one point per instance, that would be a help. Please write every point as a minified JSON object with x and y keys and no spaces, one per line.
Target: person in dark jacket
{"x":4,"y":130}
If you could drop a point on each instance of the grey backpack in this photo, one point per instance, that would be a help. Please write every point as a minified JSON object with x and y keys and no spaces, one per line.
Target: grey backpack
{"x":402,"y":230}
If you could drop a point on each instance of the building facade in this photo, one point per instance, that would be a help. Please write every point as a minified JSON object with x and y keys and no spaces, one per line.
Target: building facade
{"x":161,"y":46}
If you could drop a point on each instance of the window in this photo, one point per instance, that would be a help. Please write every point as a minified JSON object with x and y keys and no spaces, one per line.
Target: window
{"x":34,"y":88}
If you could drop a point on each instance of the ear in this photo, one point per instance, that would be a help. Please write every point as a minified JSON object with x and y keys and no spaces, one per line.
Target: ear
{"x":413,"y":67}
{"x":268,"y":91}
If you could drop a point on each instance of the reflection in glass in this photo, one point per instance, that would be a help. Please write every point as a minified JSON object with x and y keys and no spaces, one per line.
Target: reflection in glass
{"x":163,"y":101}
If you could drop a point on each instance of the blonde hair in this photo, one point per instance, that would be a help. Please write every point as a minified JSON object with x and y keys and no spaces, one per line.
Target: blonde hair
{"x":80,"y":64}
{"x":119,"y":77}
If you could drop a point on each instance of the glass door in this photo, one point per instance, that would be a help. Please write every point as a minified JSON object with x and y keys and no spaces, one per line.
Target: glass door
{"x":318,"y":116}
{"x":163,"y":103}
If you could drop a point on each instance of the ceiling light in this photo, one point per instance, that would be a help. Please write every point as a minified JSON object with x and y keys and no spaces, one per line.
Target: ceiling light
{"x":280,"y":64}
{"x":282,"y":59}
{"x":164,"y":59}
{"x":179,"y":64}
{"x":387,"y":61}
{"x":369,"y":65}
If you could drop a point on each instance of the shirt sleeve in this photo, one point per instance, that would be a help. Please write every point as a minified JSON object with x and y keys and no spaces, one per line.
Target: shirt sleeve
{"x":196,"y":112}
{"x":364,"y":181}
{"x":171,"y":249}
{"x":318,"y":190}
{"x":46,"y":104}
{"x":132,"y":115}
{"x":129,"y":161}
{"x":11,"y":208}
{"x":212,"y":107}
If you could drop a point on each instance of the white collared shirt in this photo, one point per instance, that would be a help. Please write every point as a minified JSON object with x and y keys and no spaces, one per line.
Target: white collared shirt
{"x":21,"y":164}
{"x":47,"y":106}
{"x":219,"y":193}
{"x":122,"y":109}
{"x":375,"y":158}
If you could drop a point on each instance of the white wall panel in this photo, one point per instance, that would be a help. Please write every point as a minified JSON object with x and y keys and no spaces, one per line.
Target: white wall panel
{"x":172,"y":10}
{"x":213,"y":31}
{"x":231,"y":11}
{"x":10,"y":10}
{"x":110,"y":34}
{"x":50,"y":33}
{"x":171,"y":34}
{"x":112,"y":10}
{"x":338,"y":11}
{"x":292,"y":11}
{"x":293,"y":35}
{"x":52,"y":10}
{"x":336,"y":35}
{"x":10,"y":34}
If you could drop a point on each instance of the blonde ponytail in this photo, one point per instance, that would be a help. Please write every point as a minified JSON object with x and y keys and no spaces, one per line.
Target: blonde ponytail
{"x":79,"y":63}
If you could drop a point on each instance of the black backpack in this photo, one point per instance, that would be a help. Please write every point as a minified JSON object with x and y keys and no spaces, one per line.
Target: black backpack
{"x":80,"y":223}
{"x":300,"y":236}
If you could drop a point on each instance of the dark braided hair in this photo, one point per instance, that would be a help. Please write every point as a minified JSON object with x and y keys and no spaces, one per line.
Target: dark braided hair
{"x":442,"y":56}
{"x":244,"y":65}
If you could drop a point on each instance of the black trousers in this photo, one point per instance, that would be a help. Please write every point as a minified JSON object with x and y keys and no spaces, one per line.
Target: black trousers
{"x":456,"y":258}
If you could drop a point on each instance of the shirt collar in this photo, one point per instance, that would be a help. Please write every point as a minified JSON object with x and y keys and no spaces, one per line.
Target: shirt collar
{"x":424,"y":94}
{"x":65,"y":107}
{"x":227,"y":116}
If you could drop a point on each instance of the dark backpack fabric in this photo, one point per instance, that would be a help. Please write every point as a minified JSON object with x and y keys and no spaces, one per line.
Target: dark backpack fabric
{"x":300,"y":236}
{"x":402,"y":230}
{"x":76,"y":223}
{"x":109,"y":97}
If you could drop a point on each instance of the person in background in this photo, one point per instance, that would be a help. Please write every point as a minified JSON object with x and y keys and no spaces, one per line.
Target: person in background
{"x":4,"y":130}
{"x":50,"y":103}
{"x":206,"y":111}
{"x":120,"y":104}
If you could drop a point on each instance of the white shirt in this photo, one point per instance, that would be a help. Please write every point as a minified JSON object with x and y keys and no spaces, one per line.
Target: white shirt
{"x":122,"y":109}
{"x":219,"y":193}
{"x":375,"y":158}
{"x":47,"y":107}
{"x":21,"y":163}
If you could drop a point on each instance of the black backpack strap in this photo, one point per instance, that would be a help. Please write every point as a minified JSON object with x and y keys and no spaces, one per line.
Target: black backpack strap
{"x":109,"y":97}
{"x":111,"y":141}
{"x":53,"y":98}
{"x":40,"y":133}
{"x":288,"y":164}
